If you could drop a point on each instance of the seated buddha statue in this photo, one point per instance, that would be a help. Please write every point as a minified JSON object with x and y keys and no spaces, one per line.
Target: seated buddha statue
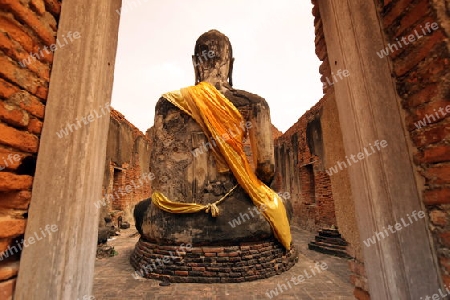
{"x":213,"y":161}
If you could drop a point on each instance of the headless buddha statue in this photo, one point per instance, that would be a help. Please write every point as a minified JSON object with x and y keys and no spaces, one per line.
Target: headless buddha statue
{"x":189,"y":167}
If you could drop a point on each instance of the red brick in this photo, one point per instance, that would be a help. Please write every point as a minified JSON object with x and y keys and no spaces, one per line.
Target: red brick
{"x":431,"y":134}
{"x":437,"y":196}
{"x":445,"y":239}
{"x":22,"y":77}
{"x":11,"y":227}
{"x":422,"y":96}
{"x":414,"y":16}
{"x":438,"y":174}
{"x":19,"y":139}
{"x":50,"y":20}
{"x":38,"y":6}
{"x":7,"y":289}
{"x":433,"y":155}
{"x":16,"y":52}
{"x":42,"y":92}
{"x":182,"y":273}
{"x":35,"y":126}
{"x":361,"y":294}
{"x":212,"y":249}
{"x":430,"y":113}
{"x":17,"y":33}
{"x":8,"y":270}
{"x":53,"y":6}
{"x":433,"y":68}
{"x":10,"y":160}
{"x":12,"y":182}
{"x":397,"y":10}
{"x":446,"y":280}
{"x":29,"y":103}
{"x":44,"y":56}
{"x":423,"y":48}
{"x":7,"y":89}
{"x":15,"y":200}
{"x":13,"y":115}
{"x":4,"y":243}
{"x":438,"y":218}
{"x":26,"y":16}
{"x":445,"y":262}
{"x":256,"y":247}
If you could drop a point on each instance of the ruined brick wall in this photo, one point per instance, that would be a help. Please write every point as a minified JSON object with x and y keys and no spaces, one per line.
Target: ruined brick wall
{"x":127,"y":177}
{"x":275,"y":132}
{"x":25,"y":27}
{"x":300,"y":172}
{"x":421,"y":70}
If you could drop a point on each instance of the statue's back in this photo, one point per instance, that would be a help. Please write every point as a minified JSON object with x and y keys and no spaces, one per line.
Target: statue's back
{"x":186,"y":171}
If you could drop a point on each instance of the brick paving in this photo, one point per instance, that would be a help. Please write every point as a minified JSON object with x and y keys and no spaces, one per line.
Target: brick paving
{"x":114,"y":280}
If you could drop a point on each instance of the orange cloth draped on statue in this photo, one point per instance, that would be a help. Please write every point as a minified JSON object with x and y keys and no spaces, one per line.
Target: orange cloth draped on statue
{"x":217,"y":116}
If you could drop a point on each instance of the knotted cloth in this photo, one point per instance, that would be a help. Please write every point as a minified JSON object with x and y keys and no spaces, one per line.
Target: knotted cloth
{"x":216,"y":115}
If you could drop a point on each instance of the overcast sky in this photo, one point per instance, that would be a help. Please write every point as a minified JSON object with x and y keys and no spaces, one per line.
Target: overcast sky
{"x":273,"y":46}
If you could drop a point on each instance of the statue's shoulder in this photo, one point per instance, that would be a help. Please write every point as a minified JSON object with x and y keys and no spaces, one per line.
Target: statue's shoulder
{"x":243,"y":98}
{"x":163,"y":106}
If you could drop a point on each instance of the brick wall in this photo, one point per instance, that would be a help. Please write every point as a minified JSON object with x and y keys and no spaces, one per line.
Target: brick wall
{"x":275,"y":132}
{"x":421,"y":70}
{"x":25,"y":27}
{"x":127,"y":176}
{"x":300,"y":172}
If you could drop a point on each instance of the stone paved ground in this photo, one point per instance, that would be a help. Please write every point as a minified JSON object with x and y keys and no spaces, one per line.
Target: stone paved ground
{"x":114,"y":280}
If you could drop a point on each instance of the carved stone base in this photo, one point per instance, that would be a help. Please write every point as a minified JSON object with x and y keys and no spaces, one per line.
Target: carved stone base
{"x":215,"y":264}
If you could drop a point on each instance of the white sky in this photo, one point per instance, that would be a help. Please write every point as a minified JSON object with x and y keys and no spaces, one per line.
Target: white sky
{"x":273,"y":46}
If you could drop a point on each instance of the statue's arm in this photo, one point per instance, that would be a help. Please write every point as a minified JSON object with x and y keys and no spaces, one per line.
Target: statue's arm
{"x":262,"y":132}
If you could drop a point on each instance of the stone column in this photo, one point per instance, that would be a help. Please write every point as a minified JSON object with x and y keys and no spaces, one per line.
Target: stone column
{"x":401,"y":265}
{"x":70,"y":169}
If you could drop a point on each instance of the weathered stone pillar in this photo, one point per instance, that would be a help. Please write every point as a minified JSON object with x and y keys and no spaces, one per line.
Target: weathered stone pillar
{"x":70,"y":169}
{"x":401,"y":265}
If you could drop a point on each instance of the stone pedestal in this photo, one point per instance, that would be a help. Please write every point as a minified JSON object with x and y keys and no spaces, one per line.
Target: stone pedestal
{"x":209,"y":264}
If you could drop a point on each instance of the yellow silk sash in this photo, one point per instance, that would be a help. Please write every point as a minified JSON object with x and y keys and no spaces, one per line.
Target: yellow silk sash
{"x":221,"y":121}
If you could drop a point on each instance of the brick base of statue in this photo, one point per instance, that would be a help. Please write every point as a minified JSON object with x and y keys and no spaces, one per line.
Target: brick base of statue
{"x":212,"y":264}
